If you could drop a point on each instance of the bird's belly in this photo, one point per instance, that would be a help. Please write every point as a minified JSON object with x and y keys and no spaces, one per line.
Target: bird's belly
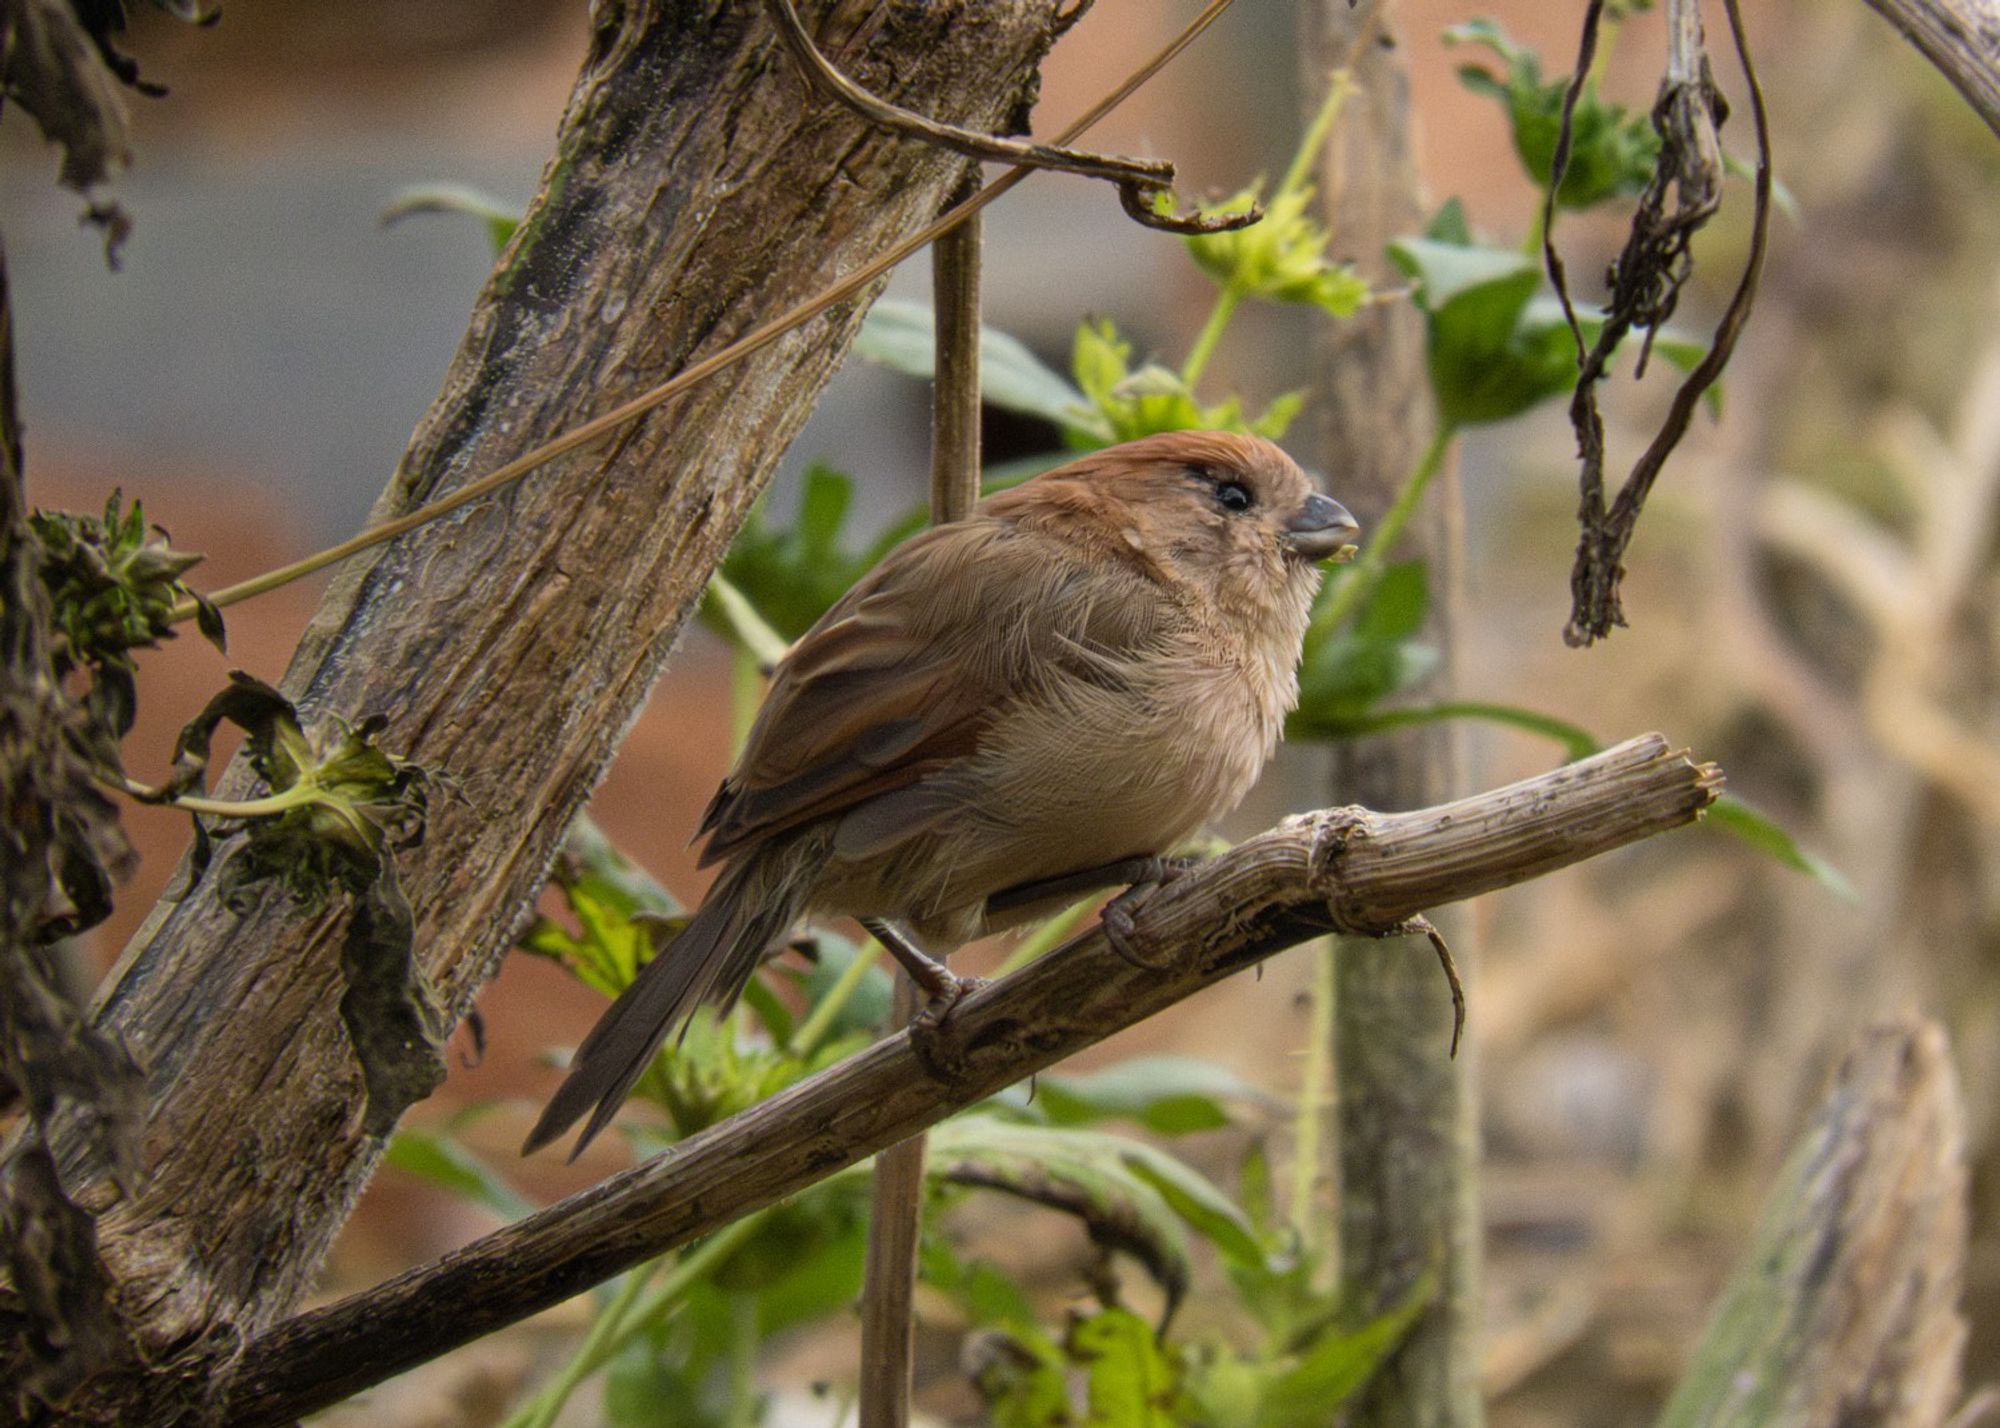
{"x":1061,"y":788}
{"x":1094,"y":786}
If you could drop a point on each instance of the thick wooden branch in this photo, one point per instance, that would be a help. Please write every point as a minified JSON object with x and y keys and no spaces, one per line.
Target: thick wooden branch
{"x":1345,"y":870}
{"x":1961,"y":38}
{"x":697,"y":189}
{"x":1846,"y":1308}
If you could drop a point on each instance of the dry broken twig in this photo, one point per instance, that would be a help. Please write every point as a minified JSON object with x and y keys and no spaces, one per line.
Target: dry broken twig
{"x":1645,"y":282}
{"x":1141,"y":182}
{"x":1340,"y":870}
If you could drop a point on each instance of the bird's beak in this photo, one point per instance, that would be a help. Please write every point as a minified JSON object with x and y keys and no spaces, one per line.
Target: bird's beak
{"x":1321,"y":529}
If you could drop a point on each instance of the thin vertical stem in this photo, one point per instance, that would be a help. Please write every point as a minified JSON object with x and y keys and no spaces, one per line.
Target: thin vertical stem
{"x":896,"y":1223}
{"x":1226,"y":303}
{"x":1309,"y":1170}
{"x":1403,"y":1118}
{"x":1358,"y":579}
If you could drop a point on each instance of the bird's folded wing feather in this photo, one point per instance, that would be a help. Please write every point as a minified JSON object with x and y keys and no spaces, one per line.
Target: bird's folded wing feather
{"x":900,"y":679}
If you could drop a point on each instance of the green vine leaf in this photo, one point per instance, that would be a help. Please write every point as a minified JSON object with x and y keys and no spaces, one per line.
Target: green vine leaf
{"x":1612,"y":149}
{"x":898,"y":334}
{"x":501,"y":221}
{"x":791,"y":575}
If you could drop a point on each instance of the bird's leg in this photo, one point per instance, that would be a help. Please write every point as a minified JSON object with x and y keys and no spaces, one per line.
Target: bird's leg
{"x":943,"y":986}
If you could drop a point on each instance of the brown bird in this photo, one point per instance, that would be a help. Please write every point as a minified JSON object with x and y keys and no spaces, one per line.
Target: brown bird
{"x":1007,"y":712}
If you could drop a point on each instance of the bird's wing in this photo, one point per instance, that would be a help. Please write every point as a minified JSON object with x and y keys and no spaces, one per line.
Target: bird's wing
{"x":902,"y":677}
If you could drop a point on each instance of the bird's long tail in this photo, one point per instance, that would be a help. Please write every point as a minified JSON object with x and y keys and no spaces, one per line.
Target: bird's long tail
{"x":710,"y":961}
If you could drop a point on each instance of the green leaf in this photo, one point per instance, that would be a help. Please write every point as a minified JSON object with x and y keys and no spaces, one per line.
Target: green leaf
{"x":1397,"y":606}
{"x":1022,"y":1379}
{"x":898,"y":334}
{"x":1338,"y":1365}
{"x":1577,"y":742}
{"x":500,"y":220}
{"x":1129,"y":1381}
{"x":1128,"y":404}
{"x":791,"y":576}
{"x":1277,"y":418}
{"x":1342,"y":678}
{"x":441,"y":1159}
{"x":1282,"y":258}
{"x":1100,"y":358}
{"x":1128,"y":1195}
{"x":604,"y":891}
{"x":1763,"y":833}
{"x":1170,"y":1095}
{"x":1489,"y":358}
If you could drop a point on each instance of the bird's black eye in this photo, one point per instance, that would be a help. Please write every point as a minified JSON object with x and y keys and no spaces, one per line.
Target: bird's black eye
{"x":1233,"y":496}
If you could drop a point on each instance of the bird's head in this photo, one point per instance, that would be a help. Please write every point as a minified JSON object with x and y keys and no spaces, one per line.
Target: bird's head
{"x":1228,"y":517}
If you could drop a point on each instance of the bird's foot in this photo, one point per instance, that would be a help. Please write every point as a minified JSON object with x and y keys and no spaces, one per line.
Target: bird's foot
{"x":944,"y":995}
{"x":942,"y":986}
{"x":1119,"y":928}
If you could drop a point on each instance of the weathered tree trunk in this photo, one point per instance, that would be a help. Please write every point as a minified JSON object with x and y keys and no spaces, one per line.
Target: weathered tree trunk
{"x":1845,"y":1309}
{"x":1405,"y":1130}
{"x":697,"y":189}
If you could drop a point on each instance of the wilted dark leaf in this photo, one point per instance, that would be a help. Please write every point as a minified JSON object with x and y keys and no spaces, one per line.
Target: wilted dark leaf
{"x":49,"y":1246}
{"x":386,"y":1007}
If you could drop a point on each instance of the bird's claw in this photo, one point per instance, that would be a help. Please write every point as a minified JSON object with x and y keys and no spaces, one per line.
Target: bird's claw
{"x":1122,"y":932}
{"x":946,"y":993}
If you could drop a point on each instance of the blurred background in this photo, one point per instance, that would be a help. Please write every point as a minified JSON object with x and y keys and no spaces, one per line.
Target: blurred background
{"x":1812,"y":589}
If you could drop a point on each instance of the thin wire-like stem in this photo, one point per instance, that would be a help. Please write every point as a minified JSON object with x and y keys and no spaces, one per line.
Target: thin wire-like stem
{"x":754,"y":341}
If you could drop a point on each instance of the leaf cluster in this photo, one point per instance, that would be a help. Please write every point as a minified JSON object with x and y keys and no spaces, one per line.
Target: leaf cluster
{"x":338,"y":807}
{"x":112,"y":584}
{"x":1612,"y":149}
{"x":1300,"y":1351}
{"x":1123,"y":403}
